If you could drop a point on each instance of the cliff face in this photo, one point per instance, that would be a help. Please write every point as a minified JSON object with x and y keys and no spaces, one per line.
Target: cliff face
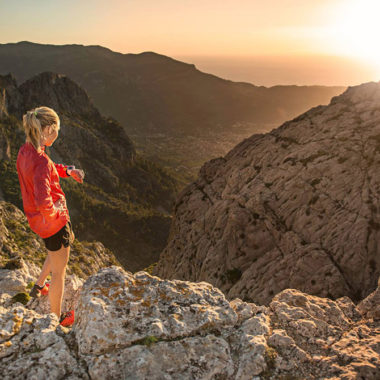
{"x":297,"y":207}
{"x":118,"y":202}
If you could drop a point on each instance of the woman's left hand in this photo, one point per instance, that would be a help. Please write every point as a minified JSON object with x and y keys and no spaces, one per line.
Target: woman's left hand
{"x":78,"y":175}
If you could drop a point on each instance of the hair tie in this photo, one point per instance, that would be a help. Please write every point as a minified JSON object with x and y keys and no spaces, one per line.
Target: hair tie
{"x":35,"y":112}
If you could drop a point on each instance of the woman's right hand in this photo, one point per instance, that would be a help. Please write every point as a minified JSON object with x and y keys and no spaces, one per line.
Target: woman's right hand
{"x":77,"y":174}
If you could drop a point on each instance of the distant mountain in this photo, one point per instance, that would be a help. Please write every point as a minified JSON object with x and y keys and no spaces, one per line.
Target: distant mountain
{"x":150,"y":93}
{"x":125,"y":201}
{"x":294,"y":208}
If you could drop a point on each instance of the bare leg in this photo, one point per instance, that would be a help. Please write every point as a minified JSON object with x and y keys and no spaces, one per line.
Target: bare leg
{"x":58,"y":263}
{"x":45,"y":271}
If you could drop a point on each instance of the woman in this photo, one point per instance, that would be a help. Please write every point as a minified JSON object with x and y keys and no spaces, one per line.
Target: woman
{"x":45,"y":204}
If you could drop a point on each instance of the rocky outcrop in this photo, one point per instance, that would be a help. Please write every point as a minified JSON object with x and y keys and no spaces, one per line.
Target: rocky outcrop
{"x":294,"y":208}
{"x":10,"y":97}
{"x":7,"y":86}
{"x":139,"y":326}
{"x":370,"y":306}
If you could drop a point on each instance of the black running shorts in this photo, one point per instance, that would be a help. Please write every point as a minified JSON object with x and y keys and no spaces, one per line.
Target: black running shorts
{"x":64,"y":236}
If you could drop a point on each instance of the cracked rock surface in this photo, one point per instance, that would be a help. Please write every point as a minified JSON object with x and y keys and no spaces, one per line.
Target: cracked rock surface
{"x":297,"y":207}
{"x":139,"y":326}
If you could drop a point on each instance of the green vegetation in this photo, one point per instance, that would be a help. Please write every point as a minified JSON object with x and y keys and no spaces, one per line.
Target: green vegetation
{"x":147,"y":341}
{"x":22,"y":239}
{"x":30,"y":285}
{"x":12,"y":134}
{"x":183,"y":155}
{"x":12,"y":264}
{"x":149,"y":269}
{"x":270,"y":360}
{"x":84,"y":259}
{"x":9,"y":182}
{"x":21,"y":297}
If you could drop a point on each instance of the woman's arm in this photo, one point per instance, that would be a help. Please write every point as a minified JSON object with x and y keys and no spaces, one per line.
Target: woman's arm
{"x":61,"y":169}
{"x":77,"y":174}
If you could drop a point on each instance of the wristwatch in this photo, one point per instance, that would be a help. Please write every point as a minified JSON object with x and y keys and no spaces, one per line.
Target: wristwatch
{"x":69,"y":169}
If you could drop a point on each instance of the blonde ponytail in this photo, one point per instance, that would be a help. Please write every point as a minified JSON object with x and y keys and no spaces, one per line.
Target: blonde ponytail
{"x":36,"y":120}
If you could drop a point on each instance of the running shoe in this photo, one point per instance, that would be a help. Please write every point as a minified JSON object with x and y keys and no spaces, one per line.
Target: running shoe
{"x":67,"y":319}
{"x":38,"y":291}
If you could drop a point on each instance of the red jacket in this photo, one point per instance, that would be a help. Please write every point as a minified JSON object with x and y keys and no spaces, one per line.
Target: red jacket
{"x":43,"y":199}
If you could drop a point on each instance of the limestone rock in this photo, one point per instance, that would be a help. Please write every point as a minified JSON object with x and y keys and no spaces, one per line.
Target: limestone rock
{"x":131,"y":307}
{"x":293,"y":208}
{"x":370,"y":306}
{"x":140,"y":326}
{"x":320,"y":338}
{"x":31,"y":348}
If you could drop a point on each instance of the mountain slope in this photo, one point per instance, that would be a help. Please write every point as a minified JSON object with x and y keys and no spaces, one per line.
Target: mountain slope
{"x":297,"y":207}
{"x":125,"y":201}
{"x":150,"y":93}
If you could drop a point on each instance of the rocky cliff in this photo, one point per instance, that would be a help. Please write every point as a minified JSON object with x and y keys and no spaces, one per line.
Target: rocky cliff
{"x":138,"y":326}
{"x":294,"y":208}
{"x":125,"y":201}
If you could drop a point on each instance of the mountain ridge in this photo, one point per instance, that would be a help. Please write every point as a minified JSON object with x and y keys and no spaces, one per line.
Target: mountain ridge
{"x":183,"y":100}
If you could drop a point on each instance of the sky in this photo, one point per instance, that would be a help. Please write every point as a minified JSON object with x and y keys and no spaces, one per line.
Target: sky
{"x":302,"y":42}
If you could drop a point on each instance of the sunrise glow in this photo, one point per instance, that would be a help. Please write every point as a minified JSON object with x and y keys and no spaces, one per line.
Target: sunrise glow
{"x":356,"y":31}
{"x":322,"y":42}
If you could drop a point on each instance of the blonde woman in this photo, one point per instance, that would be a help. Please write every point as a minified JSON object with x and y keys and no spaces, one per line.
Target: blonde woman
{"x":45,"y":204}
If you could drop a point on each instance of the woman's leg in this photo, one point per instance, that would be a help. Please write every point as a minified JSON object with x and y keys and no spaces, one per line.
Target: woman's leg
{"x":45,"y":271}
{"x":58,"y":262}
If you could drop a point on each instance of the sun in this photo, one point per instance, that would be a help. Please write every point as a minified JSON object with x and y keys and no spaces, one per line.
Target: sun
{"x":355,"y":31}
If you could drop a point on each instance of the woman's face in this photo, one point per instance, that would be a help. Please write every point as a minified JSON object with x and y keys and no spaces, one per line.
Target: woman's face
{"x":50,"y":134}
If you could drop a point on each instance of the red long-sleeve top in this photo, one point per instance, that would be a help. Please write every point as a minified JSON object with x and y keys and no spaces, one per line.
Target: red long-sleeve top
{"x":43,"y":198}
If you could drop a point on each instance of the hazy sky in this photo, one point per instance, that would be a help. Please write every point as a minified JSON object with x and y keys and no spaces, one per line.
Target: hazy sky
{"x":264,"y":42}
